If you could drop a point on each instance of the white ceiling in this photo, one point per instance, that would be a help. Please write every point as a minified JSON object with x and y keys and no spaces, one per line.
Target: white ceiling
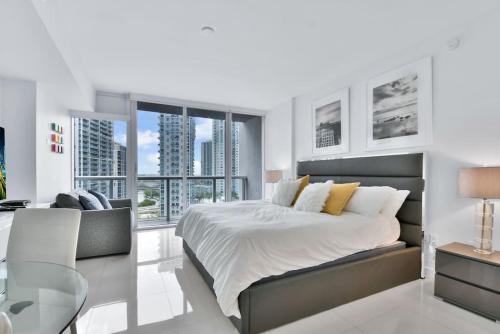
{"x":28,"y":52}
{"x":263,"y":51}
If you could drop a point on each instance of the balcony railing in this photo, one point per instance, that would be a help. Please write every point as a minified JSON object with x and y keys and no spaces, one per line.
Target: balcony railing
{"x":161,"y":199}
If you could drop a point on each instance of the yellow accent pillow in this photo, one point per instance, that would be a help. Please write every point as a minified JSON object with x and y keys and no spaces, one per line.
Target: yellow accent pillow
{"x":340,"y":194}
{"x":304,"y":181}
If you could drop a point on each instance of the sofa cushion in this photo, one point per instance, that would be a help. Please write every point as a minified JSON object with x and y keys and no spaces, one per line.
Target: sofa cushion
{"x":102,"y":198}
{"x":89,"y":201}
{"x":68,"y":201}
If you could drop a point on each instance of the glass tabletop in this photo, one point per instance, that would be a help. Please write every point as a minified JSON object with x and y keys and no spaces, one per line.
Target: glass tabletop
{"x":40,"y":297}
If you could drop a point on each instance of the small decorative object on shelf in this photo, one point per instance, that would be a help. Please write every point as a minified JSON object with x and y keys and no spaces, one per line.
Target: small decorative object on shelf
{"x":484,"y":183}
{"x":56,"y":138}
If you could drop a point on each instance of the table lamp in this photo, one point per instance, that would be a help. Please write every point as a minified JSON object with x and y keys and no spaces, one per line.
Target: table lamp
{"x":484,"y":183}
{"x":274,"y":176}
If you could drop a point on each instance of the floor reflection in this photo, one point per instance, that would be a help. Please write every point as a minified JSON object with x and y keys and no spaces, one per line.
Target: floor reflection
{"x":155,"y":289}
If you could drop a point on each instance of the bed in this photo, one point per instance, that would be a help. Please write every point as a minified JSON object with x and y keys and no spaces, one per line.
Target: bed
{"x":255,"y":305}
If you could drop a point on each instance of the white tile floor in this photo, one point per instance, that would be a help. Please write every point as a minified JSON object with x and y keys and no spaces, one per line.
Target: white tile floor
{"x":156,"y":289}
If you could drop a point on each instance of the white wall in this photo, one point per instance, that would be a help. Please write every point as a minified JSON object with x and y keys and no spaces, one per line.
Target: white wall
{"x":466,"y":121}
{"x":112,"y":103}
{"x":26,"y":111}
{"x":17,"y":116}
{"x":53,"y":169}
{"x":278,"y":142}
{"x":53,"y":21}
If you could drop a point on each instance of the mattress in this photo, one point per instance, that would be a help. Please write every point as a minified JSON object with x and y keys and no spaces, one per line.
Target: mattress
{"x":240,"y":243}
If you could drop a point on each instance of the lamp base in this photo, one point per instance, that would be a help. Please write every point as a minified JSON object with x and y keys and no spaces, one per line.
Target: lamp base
{"x":484,"y":227}
{"x":482,"y":251}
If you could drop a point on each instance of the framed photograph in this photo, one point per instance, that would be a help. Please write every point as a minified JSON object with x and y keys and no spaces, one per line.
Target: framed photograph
{"x":400,"y":107}
{"x":330,"y":119}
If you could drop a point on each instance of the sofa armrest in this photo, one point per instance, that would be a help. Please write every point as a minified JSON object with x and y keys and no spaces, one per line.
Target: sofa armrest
{"x":104,"y":232}
{"x":121,"y":203}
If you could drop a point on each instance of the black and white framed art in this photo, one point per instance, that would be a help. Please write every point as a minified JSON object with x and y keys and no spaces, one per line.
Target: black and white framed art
{"x":399,"y":112}
{"x":330,"y":119}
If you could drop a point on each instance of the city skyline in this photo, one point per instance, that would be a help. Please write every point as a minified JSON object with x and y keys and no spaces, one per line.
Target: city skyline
{"x":149,"y":141}
{"x":148,"y":138}
{"x":99,"y":152}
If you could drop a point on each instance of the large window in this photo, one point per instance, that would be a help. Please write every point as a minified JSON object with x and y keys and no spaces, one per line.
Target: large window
{"x":206,"y":154}
{"x":182,"y":157}
{"x":160,"y":162}
{"x":100,"y":156}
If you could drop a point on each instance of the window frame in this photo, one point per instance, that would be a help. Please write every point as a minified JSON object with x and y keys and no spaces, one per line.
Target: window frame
{"x":186,"y":104}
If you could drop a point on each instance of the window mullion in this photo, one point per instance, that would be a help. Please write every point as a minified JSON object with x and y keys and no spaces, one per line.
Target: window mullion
{"x":185,"y":155}
{"x":228,"y":156}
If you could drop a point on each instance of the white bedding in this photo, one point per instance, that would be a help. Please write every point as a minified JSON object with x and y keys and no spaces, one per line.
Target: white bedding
{"x":240,"y":243}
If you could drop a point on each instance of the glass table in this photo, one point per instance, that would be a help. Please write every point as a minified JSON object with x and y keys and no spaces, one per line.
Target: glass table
{"x":41,"y":297}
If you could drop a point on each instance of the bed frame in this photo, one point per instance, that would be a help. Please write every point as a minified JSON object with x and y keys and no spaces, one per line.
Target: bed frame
{"x":269,"y":304}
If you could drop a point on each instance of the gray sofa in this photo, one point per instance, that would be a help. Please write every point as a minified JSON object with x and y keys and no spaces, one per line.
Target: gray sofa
{"x":105,"y":232}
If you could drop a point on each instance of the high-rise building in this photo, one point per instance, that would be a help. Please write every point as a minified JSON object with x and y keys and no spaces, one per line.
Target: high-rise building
{"x":172,"y":153}
{"x":206,"y":159}
{"x":235,"y":162}
{"x":328,"y":134}
{"x":119,"y":169}
{"x":94,"y":152}
{"x":218,"y":155}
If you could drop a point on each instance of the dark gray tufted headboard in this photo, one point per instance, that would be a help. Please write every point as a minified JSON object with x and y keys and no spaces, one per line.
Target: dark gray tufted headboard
{"x":405,"y":171}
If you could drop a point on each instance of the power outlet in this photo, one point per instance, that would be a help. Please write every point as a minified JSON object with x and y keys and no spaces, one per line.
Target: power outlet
{"x":431,"y":241}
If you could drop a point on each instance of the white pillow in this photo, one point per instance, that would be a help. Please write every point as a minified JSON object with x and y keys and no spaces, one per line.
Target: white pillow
{"x":395,"y":231}
{"x":313,"y":197}
{"x":369,"y":201}
{"x":285,"y":192}
{"x":394,"y":203}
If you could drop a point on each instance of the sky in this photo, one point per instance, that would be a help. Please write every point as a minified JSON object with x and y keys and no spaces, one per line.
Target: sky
{"x":328,"y":113}
{"x":148,"y":140}
{"x":395,"y":94}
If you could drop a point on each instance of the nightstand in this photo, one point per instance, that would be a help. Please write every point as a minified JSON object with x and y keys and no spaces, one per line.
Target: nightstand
{"x":468,"y":279}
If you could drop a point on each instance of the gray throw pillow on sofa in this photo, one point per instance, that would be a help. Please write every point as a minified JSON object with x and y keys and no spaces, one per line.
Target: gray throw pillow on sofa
{"x":68,"y":201}
{"x":89,"y":201}
{"x":102,"y":198}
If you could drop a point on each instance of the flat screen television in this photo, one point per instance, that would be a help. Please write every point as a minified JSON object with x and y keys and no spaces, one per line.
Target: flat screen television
{"x":3,"y":178}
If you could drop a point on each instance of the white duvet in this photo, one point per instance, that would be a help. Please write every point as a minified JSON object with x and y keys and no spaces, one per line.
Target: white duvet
{"x":240,"y":243}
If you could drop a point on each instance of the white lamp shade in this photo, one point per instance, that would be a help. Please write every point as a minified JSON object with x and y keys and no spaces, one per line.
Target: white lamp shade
{"x":274,"y":175}
{"x":479,"y":182}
